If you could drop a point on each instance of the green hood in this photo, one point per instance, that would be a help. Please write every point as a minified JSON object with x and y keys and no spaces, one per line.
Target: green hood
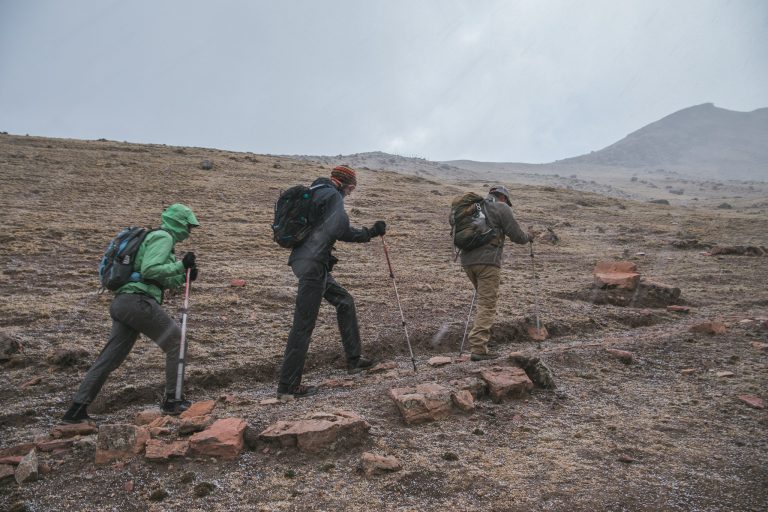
{"x":176,"y":219}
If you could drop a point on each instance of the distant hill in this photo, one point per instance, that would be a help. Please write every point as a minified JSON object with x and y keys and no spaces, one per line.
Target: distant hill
{"x":700,"y":139}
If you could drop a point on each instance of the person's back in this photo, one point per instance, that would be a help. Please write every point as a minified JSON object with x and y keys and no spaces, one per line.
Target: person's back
{"x":499,"y":215}
{"x":136,"y":310}
{"x":312,"y":263}
{"x":483,"y":267}
{"x":330,"y":223}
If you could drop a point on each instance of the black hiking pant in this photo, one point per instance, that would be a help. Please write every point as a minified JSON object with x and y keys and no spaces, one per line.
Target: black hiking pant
{"x":316,"y":284}
{"x":133,"y":314}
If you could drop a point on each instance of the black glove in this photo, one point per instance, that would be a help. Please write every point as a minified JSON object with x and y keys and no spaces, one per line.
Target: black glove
{"x":379,"y":228}
{"x":188,"y":260}
{"x":193,"y":274}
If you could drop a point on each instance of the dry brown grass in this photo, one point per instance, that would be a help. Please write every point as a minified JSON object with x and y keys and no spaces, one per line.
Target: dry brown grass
{"x":694,"y":446}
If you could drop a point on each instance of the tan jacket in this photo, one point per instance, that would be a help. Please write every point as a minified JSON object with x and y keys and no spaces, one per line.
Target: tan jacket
{"x":499,"y":215}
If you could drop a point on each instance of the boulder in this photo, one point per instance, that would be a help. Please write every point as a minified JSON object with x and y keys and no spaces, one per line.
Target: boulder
{"x":476,"y":386}
{"x":647,"y":293}
{"x":425,"y":402}
{"x":709,"y":328}
{"x":752,"y":401}
{"x":158,"y":450}
{"x":7,"y":472}
{"x":506,"y":382}
{"x":64,"y":357}
{"x":147,"y":416}
{"x":534,"y":367}
{"x":739,"y":250}
{"x":616,"y":274}
{"x":163,"y":422}
{"x":8,"y":347}
{"x":678,"y":309}
{"x":622,"y":355}
{"x":192,"y":424}
{"x":199,"y":409}
{"x":237,"y":283}
{"x":538,"y":334}
{"x":72,"y":430}
{"x":17,"y":449}
{"x":463,"y":400}
{"x":320,"y":431}
{"x":120,"y":441}
{"x":222,"y":439}
{"x":337,"y":383}
{"x":439,"y":361}
{"x":383,"y":367}
{"x":51,"y":445}
{"x":26,"y":471}
{"x":373,"y":464}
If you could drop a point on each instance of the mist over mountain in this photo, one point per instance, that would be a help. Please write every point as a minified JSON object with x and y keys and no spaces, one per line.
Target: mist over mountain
{"x":702,"y":139}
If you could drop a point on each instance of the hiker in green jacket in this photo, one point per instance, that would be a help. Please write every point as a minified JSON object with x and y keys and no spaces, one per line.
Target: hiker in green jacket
{"x":136,"y":310}
{"x":483,"y":267}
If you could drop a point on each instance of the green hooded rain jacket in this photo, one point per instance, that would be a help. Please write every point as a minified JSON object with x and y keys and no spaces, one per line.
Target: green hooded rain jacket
{"x":156,"y":261}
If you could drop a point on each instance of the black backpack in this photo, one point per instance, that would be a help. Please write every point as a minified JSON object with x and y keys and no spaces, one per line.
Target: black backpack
{"x":116,"y":265}
{"x":469,"y":226}
{"x":295,"y":214}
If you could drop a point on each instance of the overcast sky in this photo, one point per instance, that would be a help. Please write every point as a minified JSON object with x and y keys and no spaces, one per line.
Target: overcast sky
{"x":514,"y":80}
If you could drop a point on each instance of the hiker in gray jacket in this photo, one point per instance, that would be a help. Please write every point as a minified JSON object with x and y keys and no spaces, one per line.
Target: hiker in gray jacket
{"x":483,"y":267}
{"x":312,"y":262}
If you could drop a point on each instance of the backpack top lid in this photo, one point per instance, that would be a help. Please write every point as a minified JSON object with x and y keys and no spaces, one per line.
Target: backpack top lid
{"x":464,"y":205}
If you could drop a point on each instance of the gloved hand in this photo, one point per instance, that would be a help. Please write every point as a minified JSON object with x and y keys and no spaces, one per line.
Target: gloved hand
{"x":379,"y":228}
{"x":193,"y":274}
{"x":188,"y":260}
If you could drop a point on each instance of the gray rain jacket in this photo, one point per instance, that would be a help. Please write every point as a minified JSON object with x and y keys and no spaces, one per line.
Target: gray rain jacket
{"x":332,"y":224}
{"x":499,"y":215}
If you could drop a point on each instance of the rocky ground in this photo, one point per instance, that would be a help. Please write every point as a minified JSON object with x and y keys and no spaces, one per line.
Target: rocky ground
{"x":665,"y":432}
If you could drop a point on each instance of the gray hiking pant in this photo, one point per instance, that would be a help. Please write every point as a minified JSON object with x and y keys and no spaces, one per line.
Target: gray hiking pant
{"x":133,"y":314}
{"x":316,"y":284}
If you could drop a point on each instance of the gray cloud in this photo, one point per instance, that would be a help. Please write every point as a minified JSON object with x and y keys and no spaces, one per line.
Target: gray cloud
{"x":487,"y":80}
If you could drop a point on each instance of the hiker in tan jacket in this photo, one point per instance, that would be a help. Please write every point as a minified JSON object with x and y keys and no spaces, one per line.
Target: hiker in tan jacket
{"x":483,"y":267}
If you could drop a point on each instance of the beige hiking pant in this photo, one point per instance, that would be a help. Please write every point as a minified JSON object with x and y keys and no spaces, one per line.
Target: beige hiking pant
{"x":486,"y":280}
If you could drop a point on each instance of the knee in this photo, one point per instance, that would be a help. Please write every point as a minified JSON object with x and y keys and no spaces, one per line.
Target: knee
{"x":347,"y":304}
{"x":171,"y":338}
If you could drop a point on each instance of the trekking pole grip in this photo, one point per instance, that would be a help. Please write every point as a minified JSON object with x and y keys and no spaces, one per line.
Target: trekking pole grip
{"x":386,"y":255}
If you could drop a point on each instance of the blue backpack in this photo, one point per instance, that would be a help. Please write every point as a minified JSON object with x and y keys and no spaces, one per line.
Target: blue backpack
{"x":116,"y":265}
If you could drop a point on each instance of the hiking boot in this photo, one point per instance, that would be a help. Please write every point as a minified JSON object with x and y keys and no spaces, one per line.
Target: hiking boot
{"x":77,"y":413}
{"x":299,"y":391}
{"x":483,"y":357}
{"x":173,"y":407}
{"x":358,"y":365}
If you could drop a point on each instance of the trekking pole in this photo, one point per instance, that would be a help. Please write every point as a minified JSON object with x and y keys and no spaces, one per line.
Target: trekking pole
{"x":397,"y":296}
{"x":535,"y":292}
{"x":466,"y":327}
{"x":183,"y":342}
